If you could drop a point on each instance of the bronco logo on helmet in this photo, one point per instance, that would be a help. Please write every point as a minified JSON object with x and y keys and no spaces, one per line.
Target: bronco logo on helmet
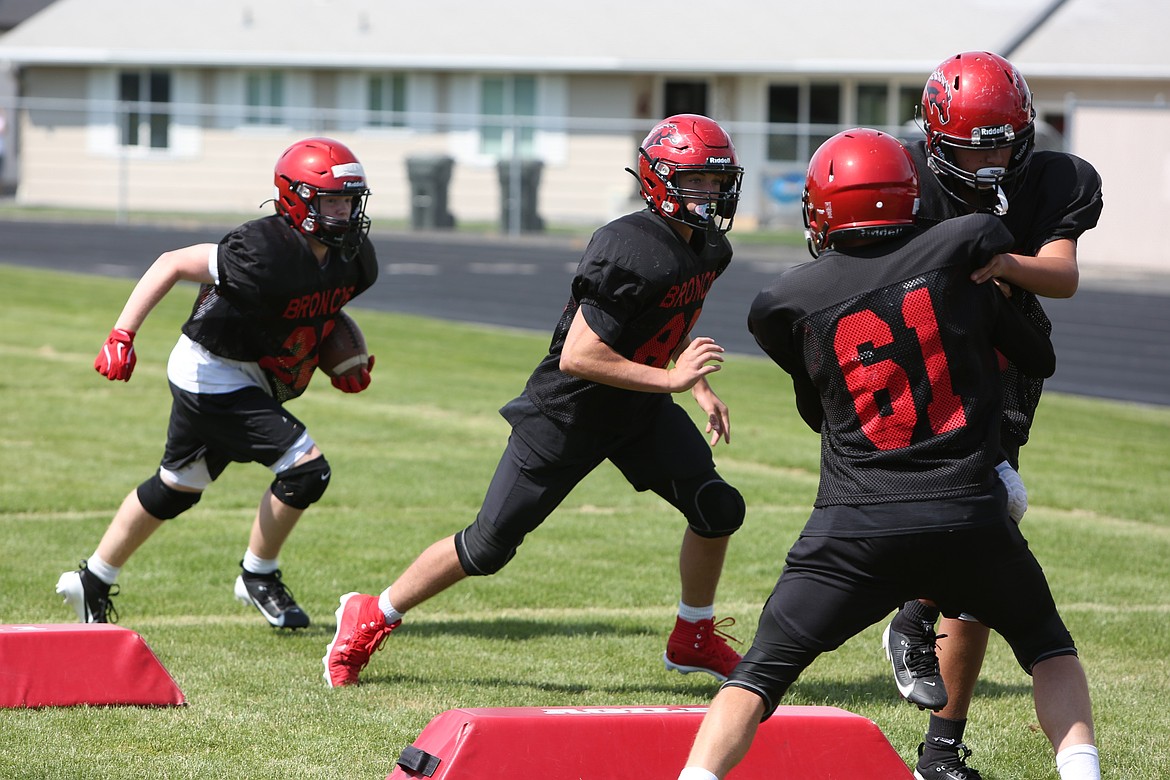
{"x":937,"y":98}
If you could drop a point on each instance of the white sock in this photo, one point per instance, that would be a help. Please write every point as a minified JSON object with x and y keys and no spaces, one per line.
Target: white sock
{"x":392,"y":615}
{"x":256,"y":565}
{"x":102,"y":570}
{"x":696,"y":773}
{"x":695,"y":614}
{"x":1079,"y":762}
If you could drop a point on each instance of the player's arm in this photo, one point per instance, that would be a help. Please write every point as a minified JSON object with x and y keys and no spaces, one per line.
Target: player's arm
{"x":187,"y":264}
{"x":586,"y":356}
{"x":116,"y":358}
{"x":1052,"y":272}
{"x":1021,"y":342}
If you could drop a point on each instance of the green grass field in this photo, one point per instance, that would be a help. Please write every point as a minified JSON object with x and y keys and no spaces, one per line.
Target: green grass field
{"x":579,"y":618}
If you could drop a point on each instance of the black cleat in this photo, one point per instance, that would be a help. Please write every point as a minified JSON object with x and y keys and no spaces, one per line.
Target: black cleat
{"x":915,"y":665}
{"x":952,"y":767}
{"x":267,"y":593}
{"x":89,"y":596}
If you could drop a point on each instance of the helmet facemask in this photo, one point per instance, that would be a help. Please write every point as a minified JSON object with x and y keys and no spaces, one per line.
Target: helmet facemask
{"x":344,"y":233}
{"x":713,"y":212}
{"x":992,"y":185}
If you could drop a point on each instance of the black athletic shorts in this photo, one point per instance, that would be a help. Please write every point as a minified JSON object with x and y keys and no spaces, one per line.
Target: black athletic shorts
{"x":543,"y":463}
{"x":245,"y":426}
{"x":832,"y":588}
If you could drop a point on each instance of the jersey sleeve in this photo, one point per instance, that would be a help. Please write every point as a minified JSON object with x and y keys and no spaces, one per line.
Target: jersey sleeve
{"x":772,"y":322}
{"x":367,"y":260}
{"x":1019,"y":340}
{"x":244,"y":275}
{"x":1071,"y":203}
{"x":610,"y":292}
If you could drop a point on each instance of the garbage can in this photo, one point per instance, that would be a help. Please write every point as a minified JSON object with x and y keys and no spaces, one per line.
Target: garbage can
{"x":519,"y":186}
{"x":429,"y":177}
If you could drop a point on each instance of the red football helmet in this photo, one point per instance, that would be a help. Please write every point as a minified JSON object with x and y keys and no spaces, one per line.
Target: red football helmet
{"x":861,"y":184}
{"x":322,"y":166}
{"x":977,"y":100}
{"x":683,"y":143}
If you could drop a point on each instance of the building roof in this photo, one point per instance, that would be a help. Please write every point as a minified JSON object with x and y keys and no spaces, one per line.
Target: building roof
{"x":1082,"y":38}
{"x":13,"y":12}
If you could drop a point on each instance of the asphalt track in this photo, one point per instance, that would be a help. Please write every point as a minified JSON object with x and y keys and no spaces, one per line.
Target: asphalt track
{"x":1112,"y":338}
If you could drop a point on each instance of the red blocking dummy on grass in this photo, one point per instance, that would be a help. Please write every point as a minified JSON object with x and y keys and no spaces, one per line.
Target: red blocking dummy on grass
{"x":64,"y":665}
{"x":637,"y":743}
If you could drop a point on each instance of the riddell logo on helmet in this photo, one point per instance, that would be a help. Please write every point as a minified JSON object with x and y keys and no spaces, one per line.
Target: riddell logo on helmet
{"x":347,"y":170}
{"x":998,"y":131}
{"x":719,"y":161}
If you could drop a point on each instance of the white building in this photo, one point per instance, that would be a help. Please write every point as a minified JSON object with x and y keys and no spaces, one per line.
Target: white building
{"x":156,"y":105}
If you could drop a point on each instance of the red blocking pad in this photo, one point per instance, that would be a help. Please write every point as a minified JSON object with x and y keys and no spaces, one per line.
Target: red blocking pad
{"x":632,"y":743}
{"x":64,"y":665}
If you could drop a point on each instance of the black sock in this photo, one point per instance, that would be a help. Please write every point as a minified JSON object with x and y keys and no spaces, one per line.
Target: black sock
{"x":912,"y":615}
{"x":943,"y":737}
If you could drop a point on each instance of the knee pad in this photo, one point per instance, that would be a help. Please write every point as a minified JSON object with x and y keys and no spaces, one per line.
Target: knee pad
{"x":480,"y":554}
{"x":163,"y":501}
{"x":302,"y":485}
{"x":712,"y":507}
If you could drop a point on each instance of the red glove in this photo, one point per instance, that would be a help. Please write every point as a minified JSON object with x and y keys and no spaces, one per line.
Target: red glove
{"x":354,"y":383}
{"x":116,"y":358}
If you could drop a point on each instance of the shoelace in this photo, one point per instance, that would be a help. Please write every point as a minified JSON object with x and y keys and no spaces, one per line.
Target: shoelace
{"x":717,"y":629}
{"x":923,"y":659}
{"x":107,"y":606}
{"x":281,"y":594}
{"x":722,"y":648}
{"x":360,"y":652}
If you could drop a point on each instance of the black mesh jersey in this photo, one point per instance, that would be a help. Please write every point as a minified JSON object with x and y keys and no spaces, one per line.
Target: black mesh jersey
{"x":274,"y":304}
{"x":1059,"y":196}
{"x":642,"y":288}
{"x":892,"y":350}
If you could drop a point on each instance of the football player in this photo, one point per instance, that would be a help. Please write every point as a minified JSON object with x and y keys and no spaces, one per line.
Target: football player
{"x":623,"y":345}
{"x":270,"y":292}
{"x":979,"y":156}
{"x":893,"y":353}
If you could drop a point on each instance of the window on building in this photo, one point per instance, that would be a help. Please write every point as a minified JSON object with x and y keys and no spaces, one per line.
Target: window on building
{"x":684,"y":97}
{"x":146,"y":118}
{"x":824,"y":108}
{"x":504,"y":102}
{"x":909,"y":99}
{"x":386,"y":100}
{"x":872,"y":104}
{"x":264,"y":97}
{"x":795,"y":109}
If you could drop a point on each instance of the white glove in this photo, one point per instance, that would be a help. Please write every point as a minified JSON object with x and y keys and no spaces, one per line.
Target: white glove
{"x":1017,"y":494}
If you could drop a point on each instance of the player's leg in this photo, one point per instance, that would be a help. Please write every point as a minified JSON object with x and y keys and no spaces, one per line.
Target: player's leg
{"x":700,"y":562}
{"x":173,"y":489}
{"x":1012,"y":596}
{"x":725,"y":735}
{"x":260,"y":582}
{"x":844,"y":579}
{"x":1065,"y":713}
{"x":527,"y":486}
{"x":672,"y":458}
{"x":249,"y":426}
{"x":960,"y":658}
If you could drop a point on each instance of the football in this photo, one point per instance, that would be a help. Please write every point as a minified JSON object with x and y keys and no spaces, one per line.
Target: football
{"x":344,"y":350}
